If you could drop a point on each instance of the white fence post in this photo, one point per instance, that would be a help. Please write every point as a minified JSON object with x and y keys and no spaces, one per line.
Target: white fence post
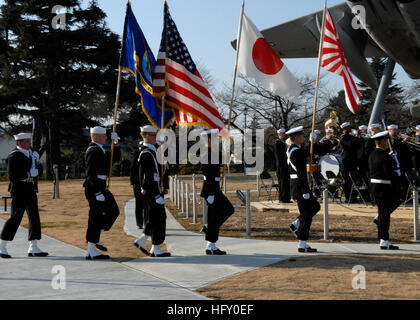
{"x":325,"y":200}
{"x":194,"y":200}
{"x":182,"y":196}
{"x":187,"y":201}
{"x":248,"y":212}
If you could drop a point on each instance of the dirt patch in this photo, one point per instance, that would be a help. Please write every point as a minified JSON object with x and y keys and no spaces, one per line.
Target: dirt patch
{"x":66,"y":219}
{"x":324,"y":277}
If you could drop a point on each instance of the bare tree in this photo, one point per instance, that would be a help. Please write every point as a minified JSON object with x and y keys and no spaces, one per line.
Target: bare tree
{"x":254,"y":104}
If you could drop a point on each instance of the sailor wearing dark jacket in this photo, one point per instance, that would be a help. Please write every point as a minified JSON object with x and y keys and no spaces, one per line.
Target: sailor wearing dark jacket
{"x":300,"y":191}
{"x":219,"y":207}
{"x":22,"y":168}
{"x":283,"y":178}
{"x":134,"y":181}
{"x":383,"y":174}
{"x":97,"y":169}
{"x":150,"y":182}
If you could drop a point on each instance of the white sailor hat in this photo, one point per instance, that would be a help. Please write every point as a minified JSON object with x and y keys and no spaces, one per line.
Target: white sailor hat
{"x":392,"y":126}
{"x":295,"y":131}
{"x":282,"y":130}
{"x":380,"y":135}
{"x":345,"y":125}
{"x":141,"y":142}
{"x":98,"y":130}
{"x":374,"y":125}
{"x":329,"y":130}
{"x":317,"y":132}
{"x":418,"y":127}
{"x":148,"y":129}
{"x":22,"y":136}
{"x":209,"y":132}
{"x":363,"y":127}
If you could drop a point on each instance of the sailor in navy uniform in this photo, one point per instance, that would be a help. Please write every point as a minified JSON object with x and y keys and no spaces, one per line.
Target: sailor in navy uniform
{"x":383,"y":175}
{"x":348,"y":148}
{"x":103,"y":210}
{"x":134,"y":180}
{"x":150,"y":173}
{"x":219,"y":207}
{"x":307,"y":204}
{"x":22,"y":168}
{"x":283,"y":177}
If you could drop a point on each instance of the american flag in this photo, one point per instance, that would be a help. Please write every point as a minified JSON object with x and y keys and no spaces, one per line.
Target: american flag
{"x":184,"y":119}
{"x":176,"y":77}
{"x":333,"y":60}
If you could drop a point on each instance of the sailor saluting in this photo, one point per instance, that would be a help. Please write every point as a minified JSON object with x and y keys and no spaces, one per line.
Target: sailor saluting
{"x":22,"y":168}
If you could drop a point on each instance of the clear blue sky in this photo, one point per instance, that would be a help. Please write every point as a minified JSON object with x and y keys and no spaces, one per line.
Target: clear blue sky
{"x":208,"y":26}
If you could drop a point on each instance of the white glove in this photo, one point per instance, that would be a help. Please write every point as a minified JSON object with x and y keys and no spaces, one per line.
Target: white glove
{"x":210,"y":199}
{"x":100,"y":197}
{"x":115,"y":137}
{"x":35,"y":155}
{"x":33,"y":172}
{"x":306,"y":196}
{"x":159,"y":200}
{"x":313,"y":136}
{"x":163,"y":139}
{"x":398,"y":172}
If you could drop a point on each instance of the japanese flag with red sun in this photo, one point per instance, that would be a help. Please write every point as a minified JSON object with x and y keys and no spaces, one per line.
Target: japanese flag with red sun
{"x":258,"y":61}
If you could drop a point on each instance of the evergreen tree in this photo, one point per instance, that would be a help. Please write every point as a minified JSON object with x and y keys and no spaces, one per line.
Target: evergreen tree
{"x":56,"y":76}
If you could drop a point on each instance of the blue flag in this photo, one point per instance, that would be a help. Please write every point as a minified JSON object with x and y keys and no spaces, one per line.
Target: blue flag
{"x":137,"y":58}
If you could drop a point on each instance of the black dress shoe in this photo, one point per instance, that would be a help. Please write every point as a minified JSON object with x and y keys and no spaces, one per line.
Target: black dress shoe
{"x":5,"y":256}
{"x":162,"y":255}
{"x":41,"y":254}
{"x":375,"y":221}
{"x":147,"y":253}
{"x":293,"y":229}
{"x":101,"y":247}
{"x":307,"y":250}
{"x":204,"y":229}
{"x":391,"y":247}
{"x":216,"y":252}
{"x":100,"y":257}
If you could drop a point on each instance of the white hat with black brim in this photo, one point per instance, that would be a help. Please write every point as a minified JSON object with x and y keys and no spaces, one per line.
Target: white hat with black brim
{"x":345,"y":125}
{"x":22,"y":136}
{"x":209,"y":132}
{"x":374,"y":126}
{"x":282,"y":130}
{"x":380,"y":135}
{"x":363,"y":127}
{"x":329,"y":130}
{"x":98,"y":130}
{"x":295,"y":131}
{"x":148,"y":129}
{"x":392,"y":126}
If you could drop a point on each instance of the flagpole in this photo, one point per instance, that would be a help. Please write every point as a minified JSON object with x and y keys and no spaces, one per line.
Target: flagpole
{"x":162,"y":120}
{"x":235,"y":71}
{"x":114,"y":126}
{"x":321,"y":46}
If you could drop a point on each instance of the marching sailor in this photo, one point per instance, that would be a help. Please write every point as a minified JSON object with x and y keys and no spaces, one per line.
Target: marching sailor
{"x":219,"y":207}
{"x":150,"y":173}
{"x":348,"y":147}
{"x":307,"y":204}
{"x":134,"y":181}
{"x":103,"y":210}
{"x":22,"y":168}
{"x":382,"y":180}
{"x":283,"y":177}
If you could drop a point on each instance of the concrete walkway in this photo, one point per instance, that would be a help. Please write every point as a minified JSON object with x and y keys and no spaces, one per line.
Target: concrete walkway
{"x":190,"y":268}
{"x":31,"y":278}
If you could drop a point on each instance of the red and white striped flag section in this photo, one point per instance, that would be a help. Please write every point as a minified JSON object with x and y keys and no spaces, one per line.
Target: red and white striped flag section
{"x":333,"y":60}
{"x":176,"y":77}
{"x":184,"y":119}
